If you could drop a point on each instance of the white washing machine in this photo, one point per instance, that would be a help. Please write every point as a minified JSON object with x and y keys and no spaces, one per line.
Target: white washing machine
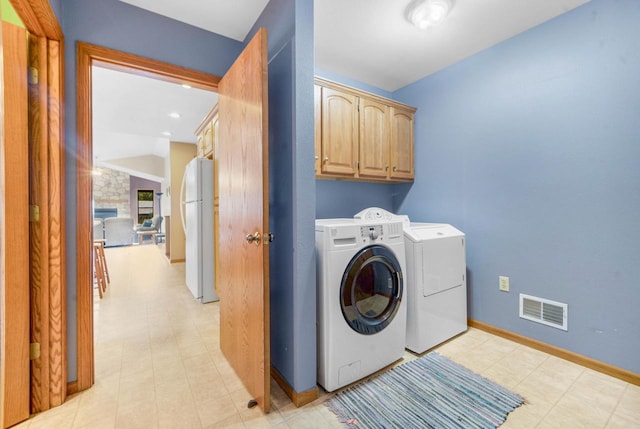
{"x":435,"y":280}
{"x":361,"y":317}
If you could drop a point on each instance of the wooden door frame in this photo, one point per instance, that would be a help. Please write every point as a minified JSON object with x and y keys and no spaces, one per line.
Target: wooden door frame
{"x":88,"y":55}
{"x":50,"y":369}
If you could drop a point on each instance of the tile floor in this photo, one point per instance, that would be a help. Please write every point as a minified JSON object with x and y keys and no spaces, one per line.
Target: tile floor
{"x":158,"y":365}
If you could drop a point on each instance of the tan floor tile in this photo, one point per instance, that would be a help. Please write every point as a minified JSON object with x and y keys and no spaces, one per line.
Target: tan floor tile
{"x":179,"y":412}
{"x":514,"y":367}
{"x":279,"y":399}
{"x":141,"y":367}
{"x":216,"y":410}
{"x":182,"y":421}
{"x":61,"y":417}
{"x":255,"y":419}
{"x":141,"y":416}
{"x":526,"y":416}
{"x":233,"y":422}
{"x":570,"y":414}
{"x":172,"y":391}
{"x":312,"y":419}
{"x":170,"y":371}
{"x":102,"y":412}
{"x":135,"y":394}
{"x":621,"y":422}
{"x":206,"y":391}
{"x":628,"y":407}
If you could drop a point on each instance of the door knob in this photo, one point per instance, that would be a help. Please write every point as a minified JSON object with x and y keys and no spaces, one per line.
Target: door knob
{"x":254,"y":238}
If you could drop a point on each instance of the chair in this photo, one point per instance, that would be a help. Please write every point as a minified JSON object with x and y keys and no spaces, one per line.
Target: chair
{"x":152,"y":228}
{"x":98,"y":228}
{"x":118,"y":231}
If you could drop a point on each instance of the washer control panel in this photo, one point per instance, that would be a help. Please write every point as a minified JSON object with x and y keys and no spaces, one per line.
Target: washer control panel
{"x":371,"y":232}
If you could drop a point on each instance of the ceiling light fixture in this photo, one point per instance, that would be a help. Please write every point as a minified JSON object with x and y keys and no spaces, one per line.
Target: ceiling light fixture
{"x":185,"y":86}
{"x":166,"y":133}
{"x":174,"y":115}
{"x":426,"y":13}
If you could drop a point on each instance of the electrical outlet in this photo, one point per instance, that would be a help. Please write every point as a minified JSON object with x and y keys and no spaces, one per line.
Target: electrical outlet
{"x":503,"y":283}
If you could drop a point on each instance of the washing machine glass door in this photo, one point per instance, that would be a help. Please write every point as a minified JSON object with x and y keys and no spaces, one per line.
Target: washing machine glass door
{"x":371,"y":289}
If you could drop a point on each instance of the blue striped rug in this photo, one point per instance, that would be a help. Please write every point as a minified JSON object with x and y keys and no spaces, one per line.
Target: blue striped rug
{"x":429,"y":392}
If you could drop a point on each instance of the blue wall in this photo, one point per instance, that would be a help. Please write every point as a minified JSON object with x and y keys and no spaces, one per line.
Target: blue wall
{"x":289,"y":24}
{"x":117,"y":25}
{"x":532,"y":148}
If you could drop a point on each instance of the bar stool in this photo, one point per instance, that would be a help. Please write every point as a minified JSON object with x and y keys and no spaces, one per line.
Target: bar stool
{"x":101,"y":272}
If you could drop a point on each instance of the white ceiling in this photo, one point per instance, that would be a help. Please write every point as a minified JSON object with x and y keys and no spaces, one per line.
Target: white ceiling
{"x":366,"y":40}
{"x":130,"y":114}
{"x":231,"y":18}
{"x":371,"y":41}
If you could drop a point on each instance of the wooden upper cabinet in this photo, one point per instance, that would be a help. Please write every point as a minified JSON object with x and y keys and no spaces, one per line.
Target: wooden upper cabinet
{"x":401,"y":144}
{"x":339,"y":149}
{"x":200,"y":145}
{"x":361,"y":136}
{"x":374,"y":139}
{"x":206,"y":134}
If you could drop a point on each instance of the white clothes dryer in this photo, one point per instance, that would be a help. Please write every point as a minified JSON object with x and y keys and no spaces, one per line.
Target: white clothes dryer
{"x":436,"y":284}
{"x":361,"y":317}
{"x":435,"y":280}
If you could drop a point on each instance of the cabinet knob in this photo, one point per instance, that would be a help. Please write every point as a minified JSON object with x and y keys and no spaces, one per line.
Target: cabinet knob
{"x":316,"y":157}
{"x":386,"y":168}
{"x":394,"y":168}
{"x":326,"y":159}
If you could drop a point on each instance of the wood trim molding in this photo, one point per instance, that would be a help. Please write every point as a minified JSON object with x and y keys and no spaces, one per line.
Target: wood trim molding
{"x":298,"y":399}
{"x":39,"y":231}
{"x":86,"y":56}
{"x":72,"y":388}
{"x":38,"y":18}
{"x":141,"y":66}
{"x":84,"y":284}
{"x":613,"y":371}
{"x":57,"y":248}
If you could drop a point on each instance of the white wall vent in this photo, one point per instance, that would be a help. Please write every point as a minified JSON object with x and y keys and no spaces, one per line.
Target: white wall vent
{"x":545,"y":311}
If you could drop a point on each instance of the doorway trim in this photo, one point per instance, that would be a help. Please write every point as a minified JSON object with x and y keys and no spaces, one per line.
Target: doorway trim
{"x":88,"y":55}
{"x":47,"y":258}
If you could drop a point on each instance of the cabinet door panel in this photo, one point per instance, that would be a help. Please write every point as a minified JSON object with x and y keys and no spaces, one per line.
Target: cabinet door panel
{"x":374,"y":139}
{"x":401,"y":144}
{"x":200,"y":145}
{"x":208,"y":139}
{"x":317,"y":102}
{"x":339,"y":132}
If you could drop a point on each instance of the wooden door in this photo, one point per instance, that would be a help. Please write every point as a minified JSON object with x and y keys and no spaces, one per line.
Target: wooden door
{"x":374,"y":139}
{"x":244,"y":219}
{"x":339,"y":132}
{"x":401,"y":143}
{"x":15,"y":238}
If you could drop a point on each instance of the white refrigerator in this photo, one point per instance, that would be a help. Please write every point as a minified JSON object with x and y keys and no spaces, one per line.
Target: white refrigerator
{"x":197,"y":221}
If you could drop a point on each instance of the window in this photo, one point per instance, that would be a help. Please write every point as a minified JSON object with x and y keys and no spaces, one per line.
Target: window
{"x":145,"y":205}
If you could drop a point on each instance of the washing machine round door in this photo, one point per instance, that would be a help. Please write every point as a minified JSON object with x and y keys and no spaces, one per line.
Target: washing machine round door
{"x":371,"y":289}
